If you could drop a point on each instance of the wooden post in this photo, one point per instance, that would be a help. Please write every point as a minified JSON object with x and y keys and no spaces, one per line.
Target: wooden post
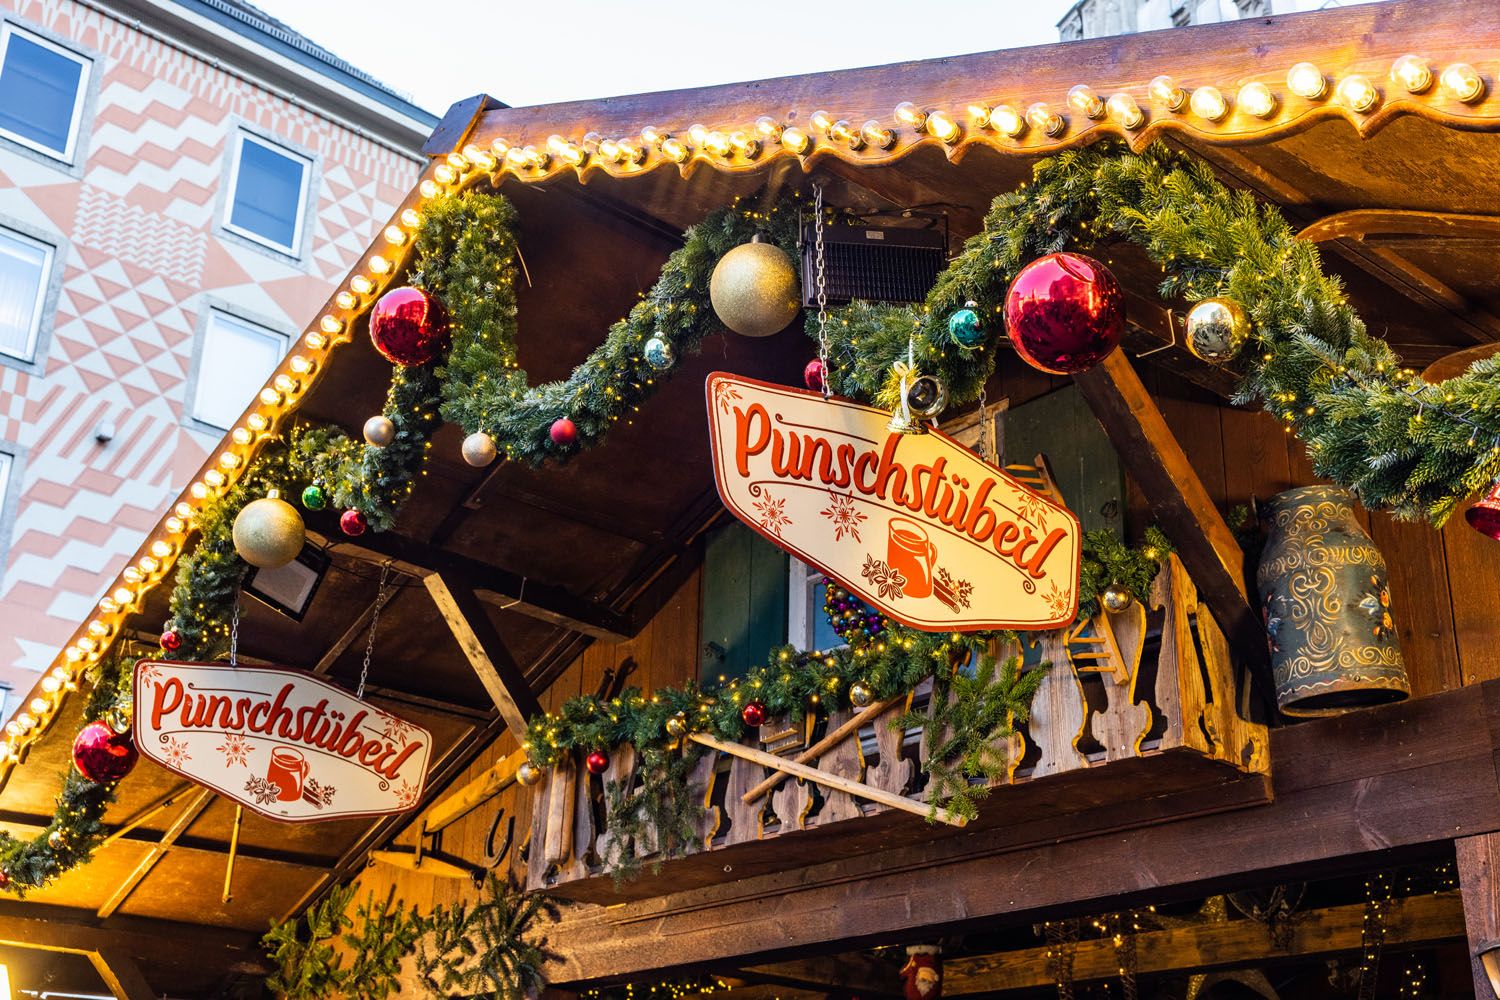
{"x":485,"y":651}
{"x":121,"y":975}
{"x":1179,"y":502}
{"x":1479,"y":881}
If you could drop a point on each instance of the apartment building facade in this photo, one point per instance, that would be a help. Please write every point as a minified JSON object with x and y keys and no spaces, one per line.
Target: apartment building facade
{"x":1098,"y":18}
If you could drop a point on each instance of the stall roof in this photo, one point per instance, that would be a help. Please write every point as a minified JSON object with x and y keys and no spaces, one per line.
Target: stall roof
{"x":1405,"y":197}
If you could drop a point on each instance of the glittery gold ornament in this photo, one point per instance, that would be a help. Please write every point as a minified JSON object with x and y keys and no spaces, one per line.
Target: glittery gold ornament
{"x":1217,"y":329}
{"x":528,"y":774}
{"x":268,"y":532}
{"x":754,"y":289}
{"x":1115,"y":598}
{"x":859,"y":695}
{"x":677,"y":725}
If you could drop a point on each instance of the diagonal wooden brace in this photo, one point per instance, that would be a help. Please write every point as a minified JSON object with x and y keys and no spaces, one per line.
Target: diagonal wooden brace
{"x":486,"y":653}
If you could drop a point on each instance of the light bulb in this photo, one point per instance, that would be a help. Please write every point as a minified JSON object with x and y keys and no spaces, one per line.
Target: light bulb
{"x":1124,"y":110}
{"x":1208,"y":103}
{"x":123,"y":596}
{"x":745,"y":144}
{"x":395,"y":235}
{"x":199,"y":490}
{"x":1083,"y":100}
{"x":73,"y":654}
{"x":697,"y":133}
{"x":1411,"y":74}
{"x":632,"y":152}
{"x":445,"y":174}
{"x":108,"y":605}
{"x":842,"y":131}
{"x":979,"y":114}
{"x":878,"y":135}
{"x":1164,"y":89}
{"x":160,"y":549}
{"x":459,"y":162}
{"x":361,"y":284}
{"x":1043,"y":119}
{"x":1306,"y":81}
{"x":609,"y":150}
{"x":51,"y":684}
{"x":183,"y":509}
{"x":717,"y":143}
{"x":379,"y":265}
{"x":1007,"y":121}
{"x":39,"y":705}
{"x":229,"y":460}
{"x":1462,"y":82}
{"x":331,"y":325}
{"x":270,"y":396}
{"x":175,"y":524}
{"x":821,"y":120}
{"x":285,"y":383}
{"x":941,"y":126}
{"x":411,"y":218}
{"x":675,"y":150}
{"x":909,"y":114}
{"x":1358,"y":94}
{"x":98,"y":628}
{"x":214,"y":478}
{"x":429,"y":189}
{"x":500,"y":146}
{"x":300,"y":365}
{"x":1255,"y":98}
{"x":796,"y":140}
{"x":481,"y":158}
{"x":315,"y":341}
{"x":148,"y":565}
{"x":768,"y":127}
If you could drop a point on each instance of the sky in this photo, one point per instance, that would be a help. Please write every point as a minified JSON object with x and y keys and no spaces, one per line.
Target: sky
{"x":560,"y":50}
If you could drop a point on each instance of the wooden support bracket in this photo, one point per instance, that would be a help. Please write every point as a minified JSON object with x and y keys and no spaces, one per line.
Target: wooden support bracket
{"x":837,"y":782}
{"x":492,"y":782}
{"x":158,"y":851}
{"x":497,"y":670}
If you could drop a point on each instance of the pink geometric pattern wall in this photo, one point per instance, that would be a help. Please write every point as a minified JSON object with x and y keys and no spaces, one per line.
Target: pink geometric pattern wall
{"x":144,"y":253}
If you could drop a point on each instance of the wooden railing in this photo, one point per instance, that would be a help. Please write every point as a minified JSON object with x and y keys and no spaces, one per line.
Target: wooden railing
{"x":1137,"y":718}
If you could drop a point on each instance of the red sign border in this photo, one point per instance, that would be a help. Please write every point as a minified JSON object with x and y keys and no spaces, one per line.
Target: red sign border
{"x":713,"y":444}
{"x":301,"y":675}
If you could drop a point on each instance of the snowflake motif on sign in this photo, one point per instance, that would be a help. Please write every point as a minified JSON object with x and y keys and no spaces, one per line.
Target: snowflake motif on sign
{"x":263,"y":791}
{"x":406,"y":795}
{"x":236,"y":750}
{"x":887,"y":581}
{"x":725,"y":395}
{"x":1033,"y":507}
{"x":176,"y":752}
{"x":148,"y":672}
{"x":845,"y":516}
{"x":395,"y":730}
{"x":318,"y":795}
{"x":772,"y":514}
{"x":1058,"y":600}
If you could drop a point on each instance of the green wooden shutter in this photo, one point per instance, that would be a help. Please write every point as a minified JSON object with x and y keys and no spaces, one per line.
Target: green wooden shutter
{"x":1061,"y":426}
{"x":744,"y":602}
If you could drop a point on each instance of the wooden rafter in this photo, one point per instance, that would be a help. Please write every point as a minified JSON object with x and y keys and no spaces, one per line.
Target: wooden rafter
{"x":158,"y":851}
{"x":482,"y":646}
{"x":854,"y":972}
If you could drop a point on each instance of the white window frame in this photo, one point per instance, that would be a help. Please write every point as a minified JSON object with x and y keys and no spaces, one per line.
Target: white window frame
{"x":242,"y":137}
{"x":217,"y":315}
{"x":8,"y":30}
{"x":44,"y":281}
{"x":804,"y":603}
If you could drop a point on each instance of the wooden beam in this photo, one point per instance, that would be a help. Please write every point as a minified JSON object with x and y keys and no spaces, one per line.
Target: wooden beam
{"x":158,"y":851}
{"x":1214,"y":945}
{"x":1479,"y":882}
{"x":1178,"y":501}
{"x":492,"y":782}
{"x":121,"y":975}
{"x":77,"y":932}
{"x":485,"y":651}
{"x":854,"y":972}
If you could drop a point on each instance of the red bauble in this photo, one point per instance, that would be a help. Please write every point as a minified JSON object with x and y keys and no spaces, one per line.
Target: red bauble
{"x":812,"y":375}
{"x":4,"y":879}
{"x":409,"y":326}
{"x":564,"y":432}
{"x":103,"y":755}
{"x":353,"y":522}
{"x":1065,"y":313}
{"x":171,"y":641}
{"x":1484,"y":516}
{"x":597,"y":762}
{"x":754,"y":713}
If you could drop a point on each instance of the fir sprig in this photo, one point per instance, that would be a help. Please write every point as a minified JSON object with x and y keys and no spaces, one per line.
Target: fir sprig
{"x":491,"y":947}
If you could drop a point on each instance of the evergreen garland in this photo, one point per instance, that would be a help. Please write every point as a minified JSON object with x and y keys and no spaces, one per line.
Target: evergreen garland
{"x":308,"y":967}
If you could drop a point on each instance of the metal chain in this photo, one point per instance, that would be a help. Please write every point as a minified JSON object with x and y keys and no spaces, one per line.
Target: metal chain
{"x":986,"y":429}
{"x":822,"y":285}
{"x":234,"y":631}
{"x":364,"y":670}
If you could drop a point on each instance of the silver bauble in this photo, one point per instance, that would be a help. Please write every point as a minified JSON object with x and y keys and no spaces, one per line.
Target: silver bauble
{"x":754,"y":290}
{"x":1116,"y":598}
{"x":1217,"y":329}
{"x":677,"y":725}
{"x":659,"y":354}
{"x":528,"y":774}
{"x":479,"y":449}
{"x":379,"y":431}
{"x":56,"y":839}
{"x":268,"y":533}
{"x":859,"y":695}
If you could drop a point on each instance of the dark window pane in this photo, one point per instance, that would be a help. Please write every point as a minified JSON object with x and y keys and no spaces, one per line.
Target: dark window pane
{"x":38,"y":88}
{"x":268,"y":194}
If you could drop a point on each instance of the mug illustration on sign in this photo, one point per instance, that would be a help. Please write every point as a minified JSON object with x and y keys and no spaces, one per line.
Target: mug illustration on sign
{"x":287,"y":771}
{"x":913,"y":555}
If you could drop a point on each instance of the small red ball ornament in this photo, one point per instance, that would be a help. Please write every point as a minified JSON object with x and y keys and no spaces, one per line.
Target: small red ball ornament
{"x":409,"y":326}
{"x":564,"y":432}
{"x":353,"y":522}
{"x":597,"y":762}
{"x":4,"y":879}
{"x":1065,"y":313}
{"x":171,"y":641}
{"x":103,"y":755}
{"x":754,"y":713}
{"x":1484,"y":516}
{"x":812,"y":375}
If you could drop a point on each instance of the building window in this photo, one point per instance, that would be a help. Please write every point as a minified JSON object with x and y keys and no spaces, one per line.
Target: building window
{"x":25,"y":266}
{"x":744,"y":602}
{"x":808,"y":626}
{"x":42,"y":86}
{"x":234,"y":361}
{"x":267,"y":193}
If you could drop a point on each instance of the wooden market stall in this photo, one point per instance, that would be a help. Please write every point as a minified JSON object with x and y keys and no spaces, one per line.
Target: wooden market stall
{"x":1152,"y":771}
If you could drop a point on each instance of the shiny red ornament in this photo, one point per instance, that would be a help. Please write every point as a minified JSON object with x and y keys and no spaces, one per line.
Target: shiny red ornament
{"x":102,"y":755}
{"x":1065,"y":313}
{"x":564,"y":432}
{"x":4,"y":879}
{"x":171,"y":641}
{"x":1484,"y":516}
{"x":597,"y":762}
{"x":409,"y":326}
{"x":754,"y":713}
{"x":813,"y":375}
{"x":353,"y":522}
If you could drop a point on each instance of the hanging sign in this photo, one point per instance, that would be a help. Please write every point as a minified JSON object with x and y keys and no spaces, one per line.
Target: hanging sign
{"x":915,"y":525}
{"x":281,"y":742}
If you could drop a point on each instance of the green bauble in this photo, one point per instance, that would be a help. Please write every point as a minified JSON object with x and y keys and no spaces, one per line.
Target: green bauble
{"x":964,"y":328}
{"x":314,"y":497}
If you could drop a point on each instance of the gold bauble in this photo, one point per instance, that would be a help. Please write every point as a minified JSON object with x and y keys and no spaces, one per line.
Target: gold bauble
{"x":1115,"y":598}
{"x":754,"y":290}
{"x":528,"y":773}
{"x":859,"y":695}
{"x":269,"y":532}
{"x":677,"y":725}
{"x":1217,"y":330}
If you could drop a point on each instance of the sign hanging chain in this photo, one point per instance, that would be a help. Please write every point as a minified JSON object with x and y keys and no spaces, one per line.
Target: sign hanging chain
{"x":364,"y":670}
{"x":986,"y":429}
{"x":821,"y":282}
{"x":234,"y":631}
